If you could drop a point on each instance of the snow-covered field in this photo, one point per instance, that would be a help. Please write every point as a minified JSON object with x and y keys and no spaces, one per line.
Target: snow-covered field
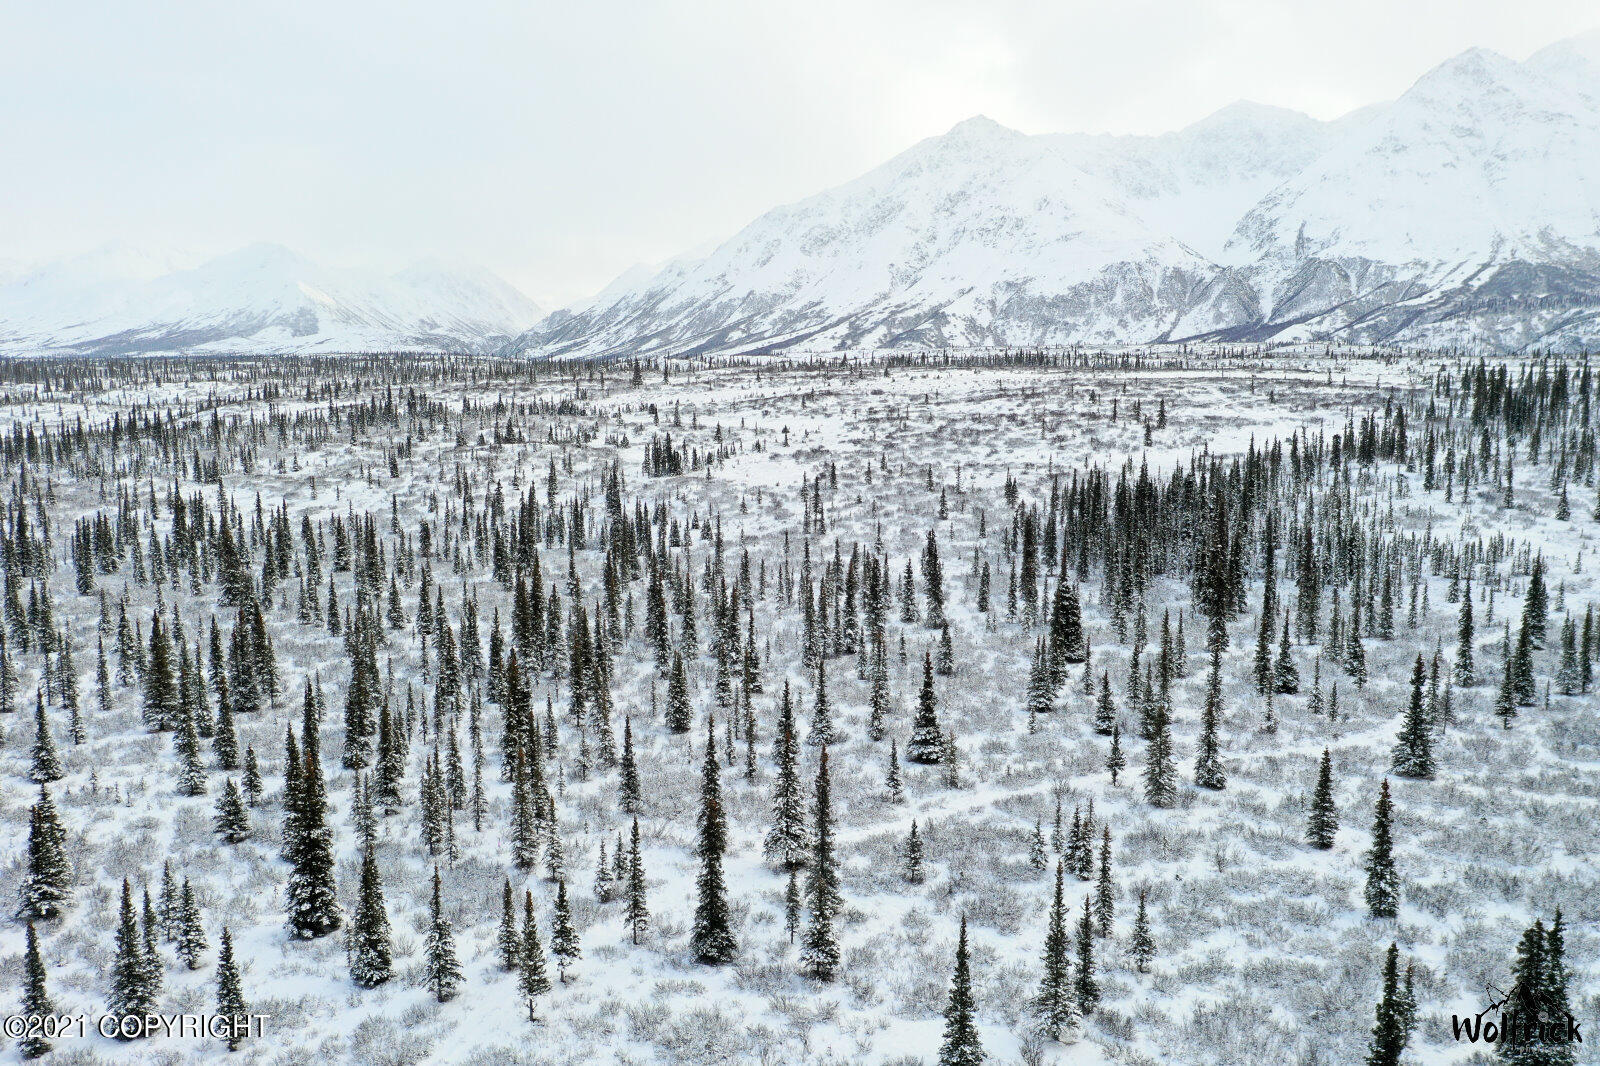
{"x":1264,"y":949}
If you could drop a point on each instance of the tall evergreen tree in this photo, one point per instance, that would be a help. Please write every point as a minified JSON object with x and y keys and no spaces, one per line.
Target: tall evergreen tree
{"x":961,"y":1046}
{"x":820,"y":954}
{"x":788,"y":841}
{"x":442,"y":970}
{"x":1413,"y":749}
{"x":1383,"y":884}
{"x":47,"y":887}
{"x":1208,"y":771}
{"x":133,"y":993}
{"x":1323,"y":822}
{"x":1056,"y":1005}
{"x":927,"y":741}
{"x":638,"y":911}
{"x":1389,"y":1033}
{"x":230,"y":992}
{"x":1143,"y":944}
{"x":371,"y":955}
{"x":563,"y":937}
{"x":36,"y":1005}
{"x":712,"y":941}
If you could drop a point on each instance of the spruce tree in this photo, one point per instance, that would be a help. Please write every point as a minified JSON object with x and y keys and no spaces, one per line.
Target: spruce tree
{"x":532,"y":978}
{"x":1143,"y":944}
{"x":961,"y":1046}
{"x":1389,"y":1033}
{"x":1383,"y":884}
{"x":371,"y":954}
{"x":1466,"y":675}
{"x":1056,"y":1005}
{"x":1115,"y":760}
{"x":712,"y":940}
{"x":230,"y":992}
{"x":47,"y":887}
{"x":1084,"y":983}
{"x":788,"y":841}
{"x":563,"y":937}
{"x":312,"y":893}
{"x":507,"y":938}
{"x":1323,"y":822}
{"x":911,"y":865}
{"x":1160,"y":778}
{"x":232,"y":820}
{"x":1104,"y":892}
{"x":679,"y":713}
{"x":46,"y":764}
{"x":1208,"y":771}
{"x":191,"y":933}
{"x":1413,"y":750}
{"x":36,"y":1005}
{"x":442,"y":970}
{"x":132,"y":990}
{"x":927,"y":741}
{"x":820,"y":954}
{"x":638,"y":912}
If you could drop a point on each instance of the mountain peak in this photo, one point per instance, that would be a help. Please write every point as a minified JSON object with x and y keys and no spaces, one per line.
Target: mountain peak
{"x":981,"y":128}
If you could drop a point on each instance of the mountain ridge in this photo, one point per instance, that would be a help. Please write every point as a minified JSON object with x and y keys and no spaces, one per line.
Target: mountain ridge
{"x":1457,"y":213}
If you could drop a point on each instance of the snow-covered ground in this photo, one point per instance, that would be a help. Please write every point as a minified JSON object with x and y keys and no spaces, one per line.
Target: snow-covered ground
{"x":1264,"y":950}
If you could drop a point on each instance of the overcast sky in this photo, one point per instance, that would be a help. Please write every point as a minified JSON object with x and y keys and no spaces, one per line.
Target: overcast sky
{"x":561,"y":144}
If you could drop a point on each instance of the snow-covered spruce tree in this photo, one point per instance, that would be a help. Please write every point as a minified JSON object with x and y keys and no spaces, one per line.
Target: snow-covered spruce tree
{"x":45,"y":764}
{"x":1142,"y":944}
{"x":1114,"y":759}
{"x":441,"y":968}
{"x":1160,"y":776}
{"x":1208,"y":771}
{"x":788,"y":841}
{"x":1056,"y":1005}
{"x":1383,"y":883}
{"x":638,"y":912}
{"x":371,"y":953}
{"x":232,"y":820}
{"x":712,"y":941}
{"x":191,"y":933}
{"x":507,"y":939}
{"x":1413,"y":749}
{"x":563,"y":937}
{"x":961,"y":1046}
{"x":1104,"y":890}
{"x":679,"y":714}
{"x":933,"y":583}
{"x":132,"y":993}
{"x":229,"y":991}
{"x":312,"y":894}
{"x":1323,"y":821}
{"x":47,"y":887}
{"x":819,"y":956}
{"x":1389,"y":1033}
{"x":36,"y":1005}
{"x":532,"y":978}
{"x":1083,"y":981}
{"x":1466,"y":669}
{"x":927,"y":740}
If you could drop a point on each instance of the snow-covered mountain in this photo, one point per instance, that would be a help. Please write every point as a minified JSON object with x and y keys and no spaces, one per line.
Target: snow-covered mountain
{"x":1465,"y":211}
{"x":263,"y":298}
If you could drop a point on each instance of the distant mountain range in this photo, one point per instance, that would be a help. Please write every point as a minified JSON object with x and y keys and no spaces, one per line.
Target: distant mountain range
{"x":260,"y":299}
{"x":1465,"y":212}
